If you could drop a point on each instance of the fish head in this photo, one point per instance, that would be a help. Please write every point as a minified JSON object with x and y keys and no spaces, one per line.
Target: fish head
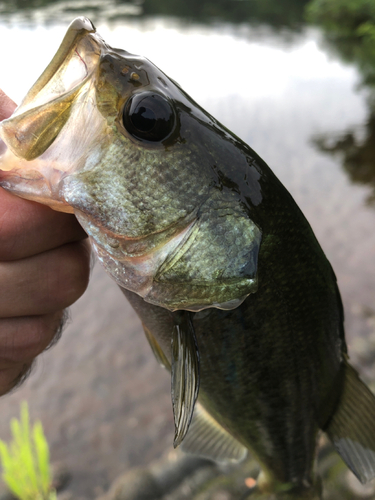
{"x":106,"y":135}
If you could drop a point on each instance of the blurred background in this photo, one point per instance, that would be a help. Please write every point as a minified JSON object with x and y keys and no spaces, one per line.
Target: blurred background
{"x":295,"y":79}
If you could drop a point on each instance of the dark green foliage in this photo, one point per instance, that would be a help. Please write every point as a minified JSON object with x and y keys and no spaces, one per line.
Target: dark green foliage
{"x":354,"y":18}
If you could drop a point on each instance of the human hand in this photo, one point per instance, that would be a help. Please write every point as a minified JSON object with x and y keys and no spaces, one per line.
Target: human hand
{"x":44,"y":268}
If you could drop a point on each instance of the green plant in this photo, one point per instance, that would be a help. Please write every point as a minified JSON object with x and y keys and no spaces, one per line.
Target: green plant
{"x":25,"y":461}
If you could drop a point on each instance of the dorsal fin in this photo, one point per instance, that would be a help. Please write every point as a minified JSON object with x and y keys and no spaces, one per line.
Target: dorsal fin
{"x":207,"y":438}
{"x":352,"y":426}
{"x":185,"y":373}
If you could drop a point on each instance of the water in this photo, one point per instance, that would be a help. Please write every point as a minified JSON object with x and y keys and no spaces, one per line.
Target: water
{"x":103,"y":400}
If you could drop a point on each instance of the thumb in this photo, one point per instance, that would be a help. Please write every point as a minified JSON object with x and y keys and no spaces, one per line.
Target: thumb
{"x":7,"y":106}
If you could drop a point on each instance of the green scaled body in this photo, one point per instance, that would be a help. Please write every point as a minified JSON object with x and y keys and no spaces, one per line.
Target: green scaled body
{"x":271,"y":369}
{"x":235,"y":294}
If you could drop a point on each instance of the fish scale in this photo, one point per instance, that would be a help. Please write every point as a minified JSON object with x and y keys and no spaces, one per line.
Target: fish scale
{"x":149,"y":186}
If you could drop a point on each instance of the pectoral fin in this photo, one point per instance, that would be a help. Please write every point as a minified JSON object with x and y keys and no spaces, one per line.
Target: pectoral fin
{"x":352,"y":427}
{"x":156,"y":349}
{"x":207,"y":438}
{"x":185,"y":374}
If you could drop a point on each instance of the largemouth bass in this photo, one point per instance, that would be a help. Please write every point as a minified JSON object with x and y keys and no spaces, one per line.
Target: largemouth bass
{"x":236,"y":297}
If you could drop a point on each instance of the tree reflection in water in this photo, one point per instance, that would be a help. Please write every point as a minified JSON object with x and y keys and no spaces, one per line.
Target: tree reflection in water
{"x":276,"y":13}
{"x":356,"y":146}
{"x":349,"y":32}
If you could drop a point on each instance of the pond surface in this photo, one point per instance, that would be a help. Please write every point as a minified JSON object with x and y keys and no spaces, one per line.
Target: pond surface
{"x":103,"y":400}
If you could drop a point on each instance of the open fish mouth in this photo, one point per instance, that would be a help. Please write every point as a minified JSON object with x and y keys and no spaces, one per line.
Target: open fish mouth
{"x":37,"y":128}
{"x":45,"y":108}
{"x":74,"y":61}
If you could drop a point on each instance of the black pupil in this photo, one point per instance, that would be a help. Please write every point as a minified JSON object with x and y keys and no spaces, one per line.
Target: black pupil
{"x":143,"y":119}
{"x":149,"y":116}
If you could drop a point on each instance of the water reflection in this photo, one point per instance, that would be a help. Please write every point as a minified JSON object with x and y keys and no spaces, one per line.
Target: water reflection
{"x":283,"y":13}
{"x":356,"y":150}
{"x":31,"y":13}
{"x":275,"y":13}
{"x":357,"y":51}
{"x":351,"y":39}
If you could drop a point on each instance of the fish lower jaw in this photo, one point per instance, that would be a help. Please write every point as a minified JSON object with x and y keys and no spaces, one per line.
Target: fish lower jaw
{"x":32,"y":185}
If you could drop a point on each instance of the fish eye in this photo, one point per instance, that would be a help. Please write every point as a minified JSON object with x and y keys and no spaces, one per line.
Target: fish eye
{"x":149,"y":116}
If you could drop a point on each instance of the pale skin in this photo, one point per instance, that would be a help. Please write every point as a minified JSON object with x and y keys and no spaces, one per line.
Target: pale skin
{"x":44,"y":268}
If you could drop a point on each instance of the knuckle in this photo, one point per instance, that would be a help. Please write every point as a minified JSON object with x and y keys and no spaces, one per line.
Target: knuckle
{"x":12,"y":224}
{"x":74,"y":274}
{"x":35,"y":342}
{"x":13,"y":376}
{"x":45,"y":283}
{"x":28,"y":228}
{"x":22,"y":339}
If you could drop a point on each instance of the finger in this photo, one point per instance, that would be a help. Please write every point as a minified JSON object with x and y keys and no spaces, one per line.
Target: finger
{"x":28,"y":228}
{"x":46,"y":282}
{"x":22,"y":339}
{"x":7,"y":106}
{"x":13,"y":377}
